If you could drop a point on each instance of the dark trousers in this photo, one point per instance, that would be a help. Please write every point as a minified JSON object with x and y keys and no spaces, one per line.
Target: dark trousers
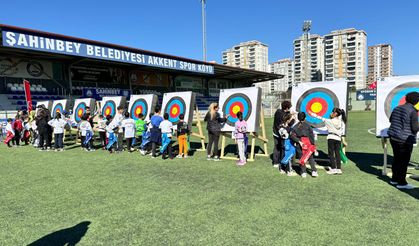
{"x":102,"y":136}
{"x":129,"y":143}
{"x":402,"y":153}
{"x":333,"y":147}
{"x":83,"y":139}
{"x":153,"y":149}
{"x":16,"y":139}
{"x":278,"y":152}
{"x":168,"y":151}
{"x":213,"y":140}
{"x":120,"y":141}
{"x":58,"y":140}
{"x":44,"y":141}
{"x":310,"y":160}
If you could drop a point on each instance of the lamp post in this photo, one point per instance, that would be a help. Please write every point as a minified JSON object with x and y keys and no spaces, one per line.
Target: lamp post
{"x":204,"y":30}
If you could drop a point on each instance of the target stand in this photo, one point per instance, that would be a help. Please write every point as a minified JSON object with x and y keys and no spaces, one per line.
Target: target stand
{"x":253,"y":136}
{"x":200,"y":134}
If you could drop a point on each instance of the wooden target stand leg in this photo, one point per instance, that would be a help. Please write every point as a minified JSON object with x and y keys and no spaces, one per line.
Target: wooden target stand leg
{"x":200,"y":133}
{"x":254,"y":136}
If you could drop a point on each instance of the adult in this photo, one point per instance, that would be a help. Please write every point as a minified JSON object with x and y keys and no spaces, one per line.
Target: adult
{"x":278,"y":152}
{"x":214,"y":123}
{"x":43,"y":128}
{"x":402,"y":132}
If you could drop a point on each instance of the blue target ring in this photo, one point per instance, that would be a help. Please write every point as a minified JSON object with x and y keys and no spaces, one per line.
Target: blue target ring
{"x":324,"y":98}
{"x":397,"y":96}
{"x":109,"y":109}
{"x":139,"y":106}
{"x":235,"y":103}
{"x":175,"y":107}
{"x":57,"y":108}
{"x":79,"y":111}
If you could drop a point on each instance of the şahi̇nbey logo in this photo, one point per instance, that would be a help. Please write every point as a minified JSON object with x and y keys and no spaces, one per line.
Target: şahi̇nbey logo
{"x":34,"y":68}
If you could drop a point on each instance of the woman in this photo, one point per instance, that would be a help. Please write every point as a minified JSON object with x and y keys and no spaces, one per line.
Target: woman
{"x":214,"y":121}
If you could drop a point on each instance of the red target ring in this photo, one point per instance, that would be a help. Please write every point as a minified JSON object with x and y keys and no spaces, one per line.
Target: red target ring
{"x":317,"y":105}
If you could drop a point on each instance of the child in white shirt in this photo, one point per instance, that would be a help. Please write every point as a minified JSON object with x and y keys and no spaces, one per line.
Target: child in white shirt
{"x":129,"y":126}
{"x":58,"y":124}
{"x":102,"y":130}
{"x":166,"y":128}
{"x":10,"y":133}
{"x":86,"y":133}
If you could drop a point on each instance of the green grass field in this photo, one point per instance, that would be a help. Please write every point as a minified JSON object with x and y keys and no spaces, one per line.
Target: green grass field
{"x":128,"y":199}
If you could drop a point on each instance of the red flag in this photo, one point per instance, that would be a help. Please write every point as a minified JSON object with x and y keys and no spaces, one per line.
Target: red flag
{"x":373,"y":86}
{"x":27,"y":87}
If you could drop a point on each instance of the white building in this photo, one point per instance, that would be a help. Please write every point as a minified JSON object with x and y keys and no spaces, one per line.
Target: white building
{"x":284,"y":67}
{"x":380,"y":62}
{"x":308,"y":58}
{"x":250,"y":55}
{"x":345,"y":53}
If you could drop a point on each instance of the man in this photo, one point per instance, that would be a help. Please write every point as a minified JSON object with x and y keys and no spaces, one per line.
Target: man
{"x":278,"y":152}
{"x":402,"y":132}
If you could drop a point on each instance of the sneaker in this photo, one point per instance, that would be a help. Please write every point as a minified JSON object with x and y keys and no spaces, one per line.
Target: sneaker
{"x":185,"y":157}
{"x":179,"y":156}
{"x":142,"y":152}
{"x":314,"y":174}
{"x":331,"y":171}
{"x":56,"y":150}
{"x":153,"y":157}
{"x":405,"y":187}
{"x":61,"y":150}
{"x":209,"y":158}
{"x":282,"y":171}
{"x":276,"y":166}
{"x":338,"y":171}
{"x":241,"y":163}
{"x":291,"y":173}
{"x":304,"y":175}
{"x":216,"y":158}
{"x":42,"y":149}
{"x":393,"y":182}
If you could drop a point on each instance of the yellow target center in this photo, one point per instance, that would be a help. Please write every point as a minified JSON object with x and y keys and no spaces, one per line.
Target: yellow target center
{"x":236,"y":109}
{"x":316,"y":107}
{"x":174,"y":111}
{"x":107,"y":111}
{"x":138,"y":111}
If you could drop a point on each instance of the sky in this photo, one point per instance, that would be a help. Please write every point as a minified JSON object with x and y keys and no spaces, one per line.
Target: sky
{"x":174,"y":27}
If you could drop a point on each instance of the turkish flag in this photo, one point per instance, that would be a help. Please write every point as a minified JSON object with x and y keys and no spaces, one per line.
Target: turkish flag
{"x":373,"y":86}
{"x":27,"y":87}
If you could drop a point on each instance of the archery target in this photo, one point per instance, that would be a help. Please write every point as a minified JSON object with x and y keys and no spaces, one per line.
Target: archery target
{"x":178,"y":103}
{"x":143,"y":104}
{"x":320,"y":98}
{"x":58,"y":106}
{"x":391,"y":92}
{"x":80,"y":106}
{"x":245,"y":100}
{"x":110,"y":104}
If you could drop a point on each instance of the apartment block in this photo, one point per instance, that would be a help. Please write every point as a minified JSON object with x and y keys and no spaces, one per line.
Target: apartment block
{"x":308,"y":58}
{"x":380,"y":62}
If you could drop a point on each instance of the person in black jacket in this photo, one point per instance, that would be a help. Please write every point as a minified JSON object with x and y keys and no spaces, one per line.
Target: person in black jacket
{"x":402,"y":132}
{"x":278,"y":152}
{"x":214,"y":121}
{"x":42,"y":119}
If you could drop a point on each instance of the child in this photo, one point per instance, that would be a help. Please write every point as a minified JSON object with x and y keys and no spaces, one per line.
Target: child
{"x":10,"y":133}
{"x":285,"y":129}
{"x":18,"y":127}
{"x":26,"y":131}
{"x":240,"y":134}
{"x":166,"y":128}
{"x":145,"y":139}
{"x":139,"y":128}
{"x":303,"y":135}
{"x":182,"y":132}
{"x":86,"y":133}
{"x":58,"y":124}
{"x":102,"y":130}
{"x":129,"y":125}
{"x":155,"y":132}
{"x":334,"y":126}
{"x":111,"y":131}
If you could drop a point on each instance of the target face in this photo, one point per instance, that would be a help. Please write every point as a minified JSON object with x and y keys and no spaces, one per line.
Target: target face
{"x":175,"y":107}
{"x":139,"y":107}
{"x":321,"y":101}
{"x":397,"y":96}
{"x":237,"y":103}
{"x":109,"y":108}
{"x":58,"y":108}
{"x":79,"y":111}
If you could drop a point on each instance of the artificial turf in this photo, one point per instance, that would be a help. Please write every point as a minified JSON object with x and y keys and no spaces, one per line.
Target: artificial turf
{"x":127,"y":199}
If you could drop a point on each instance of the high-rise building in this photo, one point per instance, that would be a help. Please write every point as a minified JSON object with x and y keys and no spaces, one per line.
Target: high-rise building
{"x":284,"y":67}
{"x":380,"y":62}
{"x":345,"y":53}
{"x":308,"y":58}
{"x":251,"y":55}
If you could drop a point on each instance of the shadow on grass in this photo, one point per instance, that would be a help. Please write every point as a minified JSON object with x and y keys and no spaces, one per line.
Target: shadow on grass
{"x":372,"y":164}
{"x":68,"y":236}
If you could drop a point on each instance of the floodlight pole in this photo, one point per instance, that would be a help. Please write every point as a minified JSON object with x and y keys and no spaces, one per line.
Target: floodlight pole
{"x":204,"y":30}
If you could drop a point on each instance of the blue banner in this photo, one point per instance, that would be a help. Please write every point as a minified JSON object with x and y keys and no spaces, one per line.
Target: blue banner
{"x":366,"y":95}
{"x":68,"y":47}
{"x":99,"y":93}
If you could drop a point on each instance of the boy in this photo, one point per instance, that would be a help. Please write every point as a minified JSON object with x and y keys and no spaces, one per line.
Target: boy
{"x":155,"y":132}
{"x":86,"y":133}
{"x":18,"y":127}
{"x":182,"y":136}
{"x":10,"y":133}
{"x":129,"y":131}
{"x":166,"y":128}
{"x":102,"y":130}
{"x":140,"y":127}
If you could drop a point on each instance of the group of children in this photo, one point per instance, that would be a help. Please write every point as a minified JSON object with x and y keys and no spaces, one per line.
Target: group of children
{"x":17,"y":131}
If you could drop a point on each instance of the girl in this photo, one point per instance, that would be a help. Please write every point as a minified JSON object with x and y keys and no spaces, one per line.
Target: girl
{"x":10,"y":133}
{"x":102,"y":130}
{"x":58,"y":124}
{"x":303,"y":135}
{"x":129,"y":131}
{"x":289,"y":148}
{"x":335,"y":127}
{"x":214,"y":121}
{"x":86,"y":133}
{"x":240,"y":134}
{"x":182,"y":136}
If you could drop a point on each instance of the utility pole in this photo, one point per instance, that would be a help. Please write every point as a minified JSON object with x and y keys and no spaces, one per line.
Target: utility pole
{"x":306,"y":55}
{"x":204,"y":29}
